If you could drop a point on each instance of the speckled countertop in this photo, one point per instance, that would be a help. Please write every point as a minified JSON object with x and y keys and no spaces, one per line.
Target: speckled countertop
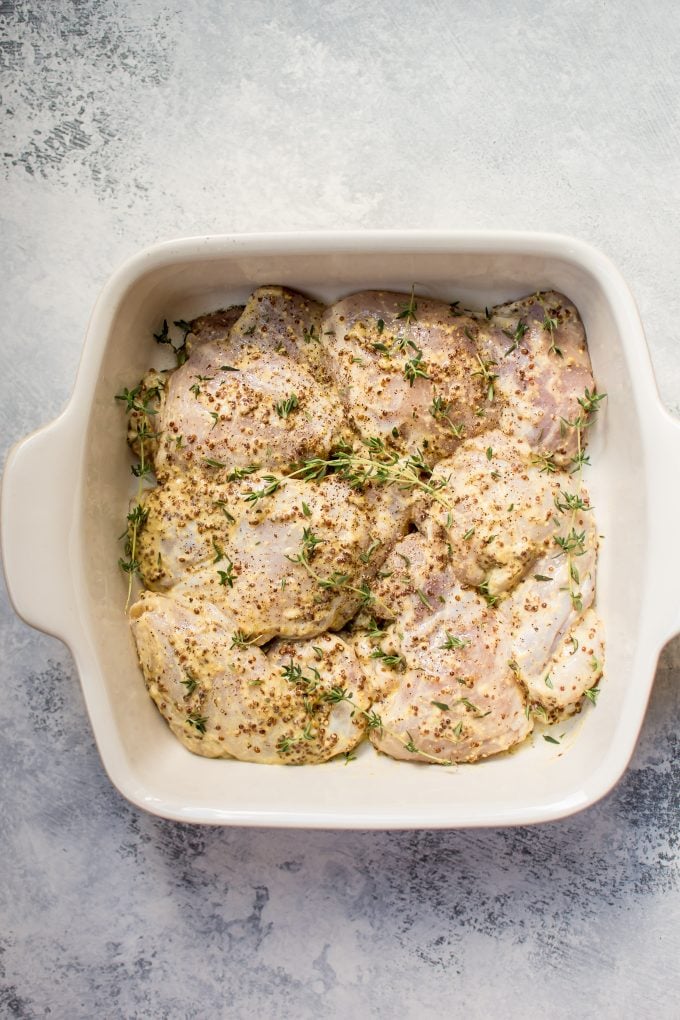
{"x":129,"y":121}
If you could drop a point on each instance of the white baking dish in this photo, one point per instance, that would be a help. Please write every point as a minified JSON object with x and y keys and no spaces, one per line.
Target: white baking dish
{"x":65,"y":493}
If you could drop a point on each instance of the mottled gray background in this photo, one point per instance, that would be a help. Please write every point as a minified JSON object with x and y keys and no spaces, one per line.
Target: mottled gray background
{"x":129,"y":121}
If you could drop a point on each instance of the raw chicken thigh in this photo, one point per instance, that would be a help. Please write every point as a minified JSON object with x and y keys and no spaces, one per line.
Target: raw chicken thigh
{"x":292,"y":564}
{"x":539,"y":349}
{"x":284,"y":321}
{"x":391,"y":468}
{"x":407,"y":370}
{"x":498,"y":513}
{"x":216,"y":326}
{"x":274,"y":319}
{"x":303,"y":702}
{"x":251,"y":408}
{"x":445,"y":690}
{"x":557,"y":643}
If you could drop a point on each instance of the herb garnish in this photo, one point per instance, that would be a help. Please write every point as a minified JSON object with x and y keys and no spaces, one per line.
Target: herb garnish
{"x":236,"y":474}
{"x":164,"y":338}
{"x":138,"y":515}
{"x":545,"y":462}
{"x":310,"y":335}
{"x":573,"y":544}
{"x":439,"y":409}
{"x":515,"y":336}
{"x":488,"y":377}
{"x":197,"y":721}
{"x":483,"y":589}
{"x":190,"y":683}
{"x":454,"y":642}
{"x":408,"y":312}
{"x":414,"y":368}
{"x":284,"y":407}
{"x":373,"y":721}
{"x":241,"y":640}
{"x":550,"y":325}
{"x":374,"y":464}
{"x":397,"y":662}
{"x":227,"y":577}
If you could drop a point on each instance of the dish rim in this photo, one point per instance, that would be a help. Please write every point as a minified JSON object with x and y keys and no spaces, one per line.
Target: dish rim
{"x":660,"y":427}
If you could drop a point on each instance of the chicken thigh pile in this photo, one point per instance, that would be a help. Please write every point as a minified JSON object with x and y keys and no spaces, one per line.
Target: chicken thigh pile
{"x":370,"y":522}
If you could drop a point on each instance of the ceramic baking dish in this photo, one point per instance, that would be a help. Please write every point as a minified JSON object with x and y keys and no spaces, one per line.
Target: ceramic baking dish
{"x":60,"y":550}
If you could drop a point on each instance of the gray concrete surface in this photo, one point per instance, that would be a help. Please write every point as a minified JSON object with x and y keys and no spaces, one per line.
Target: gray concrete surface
{"x":129,"y":121}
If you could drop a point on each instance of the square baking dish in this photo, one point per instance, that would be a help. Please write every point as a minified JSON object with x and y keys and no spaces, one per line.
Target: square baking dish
{"x":69,"y":537}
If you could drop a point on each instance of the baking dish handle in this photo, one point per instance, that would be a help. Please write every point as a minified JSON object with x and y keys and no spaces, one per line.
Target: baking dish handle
{"x":37,"y":507}
{"x":666,"y":530}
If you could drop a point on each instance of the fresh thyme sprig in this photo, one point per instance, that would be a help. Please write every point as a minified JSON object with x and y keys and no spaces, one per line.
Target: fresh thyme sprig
{"x":439,"y":409}
{"x":408,"y":312}
{"x":197,"y":721}
{"x":462,"y":701}
{"x":488,"y":377}
{"x":374,"y":465}
{"x":310,"y":335}
{"x":454,"y":642}
{"x":489,"y":598}
{"x":239,"y":639}
{"x":227,"y":577}
{"x":272,"y":486}
{"x":573,"y":544}
{"x":138,"y":515}
{"x":412,"y":749}
{"x":373,"y":721}
{"x":589,"y":404}
{"x":284,"y":407}
{"x":191,"y":683}
{"x":550,"y":325}
{"x":180,"y":350}
{"x":516,"y":336}
{"x":286,"y":744}
{"x":310,"y":542}
{"x":294,"y":675}
{"x":396,"y":662}
{"x":545,"y":462}
{"x":365,"y":557}
{"x":414,"y":367}
{"x":373,"y":631}
{"x":570,"y":501}
{"x":335,"y":695}
{"x":132,"y":403}
{"x":236,"y":474}
{"x":336,"y":581}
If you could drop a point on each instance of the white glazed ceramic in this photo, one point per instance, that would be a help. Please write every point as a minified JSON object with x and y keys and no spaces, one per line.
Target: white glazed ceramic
{"x":66,"y":486}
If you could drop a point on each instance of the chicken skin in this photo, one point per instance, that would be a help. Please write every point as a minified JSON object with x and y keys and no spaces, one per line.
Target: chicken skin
{"x":407,"y":370}
{"x":445,"y":690}
{"x":556,"y":636}
{"x":249,"y":408}
{"x":293,"y":564}
{"x":499,"y":511}
{"x":303,"y":702}
{"x":538,"y":347}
